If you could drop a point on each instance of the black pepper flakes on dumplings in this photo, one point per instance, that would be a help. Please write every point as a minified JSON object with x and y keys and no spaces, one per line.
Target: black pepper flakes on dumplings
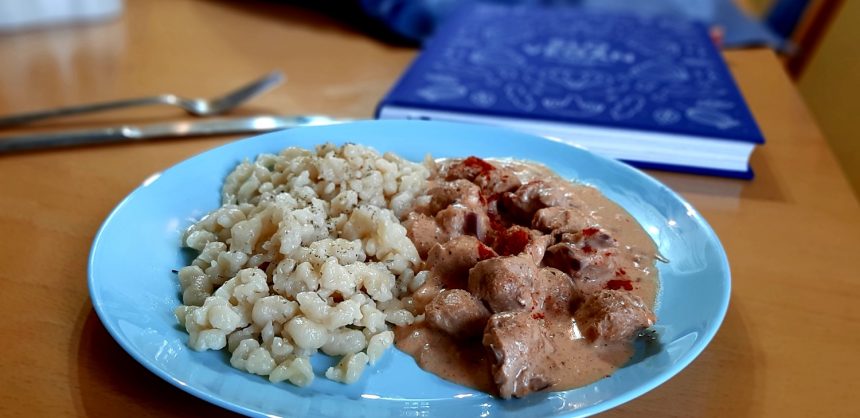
{"x":306,"y":253}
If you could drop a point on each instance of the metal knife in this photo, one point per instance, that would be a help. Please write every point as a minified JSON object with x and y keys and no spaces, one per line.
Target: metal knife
{"x":221,"y":126}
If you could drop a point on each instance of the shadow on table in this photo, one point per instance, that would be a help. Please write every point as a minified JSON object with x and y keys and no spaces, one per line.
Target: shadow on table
{"x":111,"y":383}
{"x":765,"y":186}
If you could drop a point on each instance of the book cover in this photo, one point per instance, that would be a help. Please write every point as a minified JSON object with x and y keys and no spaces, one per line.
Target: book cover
{"x":655,"y":74}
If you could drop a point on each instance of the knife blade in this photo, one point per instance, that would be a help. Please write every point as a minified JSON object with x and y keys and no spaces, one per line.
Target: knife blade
{"x":179,"y":129}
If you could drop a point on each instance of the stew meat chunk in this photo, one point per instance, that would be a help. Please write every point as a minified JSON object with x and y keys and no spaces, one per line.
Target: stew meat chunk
{"x":613,"y":315}
{"x":458,"y":313}
{"x":515,"y":341}
{"x":452,"y":260}
{"x":504,"y":283}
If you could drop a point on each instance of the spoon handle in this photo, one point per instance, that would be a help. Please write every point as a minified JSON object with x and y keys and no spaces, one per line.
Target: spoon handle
{"x":29,"y":117}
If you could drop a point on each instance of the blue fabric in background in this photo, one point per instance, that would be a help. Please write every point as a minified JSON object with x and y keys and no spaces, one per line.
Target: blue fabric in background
{"x":416,"y":19}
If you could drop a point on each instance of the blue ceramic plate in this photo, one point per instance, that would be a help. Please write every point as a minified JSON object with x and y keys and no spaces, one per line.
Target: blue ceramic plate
{"x":134,"y":291}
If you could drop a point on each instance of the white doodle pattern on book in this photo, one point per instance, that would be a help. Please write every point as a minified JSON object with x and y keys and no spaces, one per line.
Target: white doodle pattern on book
{"x":640,"y":70}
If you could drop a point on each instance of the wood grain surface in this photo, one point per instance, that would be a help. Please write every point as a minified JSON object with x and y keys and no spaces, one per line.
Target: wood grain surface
{"x":788,"y":346}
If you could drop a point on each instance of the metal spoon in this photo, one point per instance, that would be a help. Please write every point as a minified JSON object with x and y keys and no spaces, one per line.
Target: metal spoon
{"x":196,"y":107}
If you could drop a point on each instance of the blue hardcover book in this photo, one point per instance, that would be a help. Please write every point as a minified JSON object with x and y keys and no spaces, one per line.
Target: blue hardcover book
{"x":652,"y":91}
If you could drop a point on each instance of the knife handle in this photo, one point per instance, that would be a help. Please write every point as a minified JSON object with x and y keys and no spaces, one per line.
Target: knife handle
{"x":65,"y":139}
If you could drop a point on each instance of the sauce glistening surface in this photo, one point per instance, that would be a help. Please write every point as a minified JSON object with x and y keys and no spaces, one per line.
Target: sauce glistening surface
{"x":535,"y":283}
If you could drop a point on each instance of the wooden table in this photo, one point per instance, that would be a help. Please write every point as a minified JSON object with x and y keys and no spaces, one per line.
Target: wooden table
{"x":788,"y":346}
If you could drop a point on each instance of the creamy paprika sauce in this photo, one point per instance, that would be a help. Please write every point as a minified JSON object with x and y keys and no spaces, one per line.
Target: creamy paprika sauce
{"x":572,"y":360}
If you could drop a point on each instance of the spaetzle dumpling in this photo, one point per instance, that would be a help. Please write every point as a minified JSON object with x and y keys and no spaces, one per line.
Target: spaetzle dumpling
{"x":306,"y":253}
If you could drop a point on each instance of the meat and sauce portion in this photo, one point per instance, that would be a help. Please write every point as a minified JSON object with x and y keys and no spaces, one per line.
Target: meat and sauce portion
{"x":534,"y":282}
